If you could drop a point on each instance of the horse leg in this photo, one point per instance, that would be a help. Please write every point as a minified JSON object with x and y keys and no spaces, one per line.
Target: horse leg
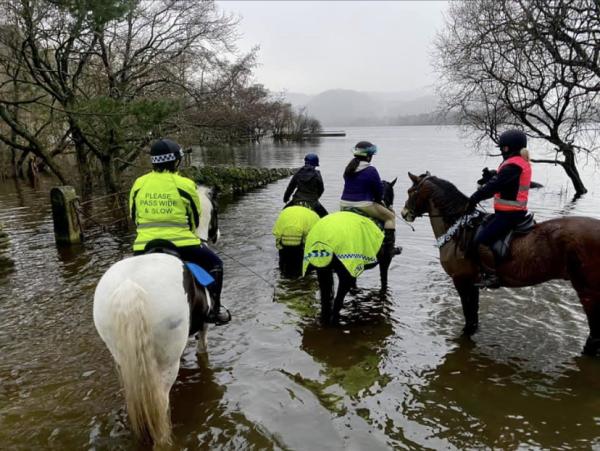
{"x":202,"y":342}
{"x":384,"y":265}
{"x":346,"y":281}
{"x":325,"y":278}
{"x":469,"y":299}
{"x":591,"y":306}
{"x":290,"y":261}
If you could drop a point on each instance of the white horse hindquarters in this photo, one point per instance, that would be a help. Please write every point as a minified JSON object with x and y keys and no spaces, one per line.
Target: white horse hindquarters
{"x":141,"y":313}
{"x":161,"y":277}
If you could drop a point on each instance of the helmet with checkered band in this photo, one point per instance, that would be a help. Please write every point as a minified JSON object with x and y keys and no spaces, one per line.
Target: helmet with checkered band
{"x":165,"y":151}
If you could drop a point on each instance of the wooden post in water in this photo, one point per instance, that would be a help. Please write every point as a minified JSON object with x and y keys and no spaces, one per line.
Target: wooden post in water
{"x":67,"y":229}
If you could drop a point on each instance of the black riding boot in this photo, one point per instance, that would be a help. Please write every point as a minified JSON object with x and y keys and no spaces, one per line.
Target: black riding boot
{"x":389,"y":243}
{"x":488,"y":277}
{"x":218,"y":315}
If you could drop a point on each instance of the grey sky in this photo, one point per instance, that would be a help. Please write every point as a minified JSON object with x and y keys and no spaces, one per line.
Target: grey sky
{"x":311,"y":46}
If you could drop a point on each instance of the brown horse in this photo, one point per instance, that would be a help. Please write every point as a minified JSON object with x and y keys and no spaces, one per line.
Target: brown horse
{"x":565,"y":248}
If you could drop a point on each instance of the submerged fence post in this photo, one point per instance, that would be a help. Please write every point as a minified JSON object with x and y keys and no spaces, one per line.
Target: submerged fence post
{"x":67,"y":229}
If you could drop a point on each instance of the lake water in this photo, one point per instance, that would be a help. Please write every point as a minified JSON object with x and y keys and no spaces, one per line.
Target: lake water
{"x":395,"y":375}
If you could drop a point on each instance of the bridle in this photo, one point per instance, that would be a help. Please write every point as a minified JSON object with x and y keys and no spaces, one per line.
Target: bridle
{"x":416,"y":193}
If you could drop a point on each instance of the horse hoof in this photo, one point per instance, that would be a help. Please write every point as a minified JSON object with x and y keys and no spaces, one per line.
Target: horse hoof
{"x":470,"y":329}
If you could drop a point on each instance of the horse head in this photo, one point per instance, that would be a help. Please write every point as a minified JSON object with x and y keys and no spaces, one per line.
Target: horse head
{"x":429,"y":192}
{"x":208,"y":229}
{"x":388,"y":192}
{"x":417,"y":203}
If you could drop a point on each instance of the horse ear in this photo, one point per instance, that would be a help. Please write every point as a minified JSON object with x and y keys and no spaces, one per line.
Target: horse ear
{"x":427,"y":173}
{"x":393,"y":182}
{"x":413,"y":177}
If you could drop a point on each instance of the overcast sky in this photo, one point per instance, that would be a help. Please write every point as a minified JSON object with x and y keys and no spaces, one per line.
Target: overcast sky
{"x":311,"y":46}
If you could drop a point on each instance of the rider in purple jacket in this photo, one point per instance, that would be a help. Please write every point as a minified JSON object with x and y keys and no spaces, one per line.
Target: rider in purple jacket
{"x":363,"y":190}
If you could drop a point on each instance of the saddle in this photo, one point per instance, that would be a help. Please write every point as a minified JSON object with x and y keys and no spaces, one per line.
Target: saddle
{"x":195,"y":281}
{"x":501,"y":247}
{"x":358,"y":211}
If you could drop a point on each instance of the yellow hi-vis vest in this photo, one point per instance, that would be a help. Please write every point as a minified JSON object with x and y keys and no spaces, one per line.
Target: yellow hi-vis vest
{"x":162,"y":205}
{"x":292,"y":225}
{"x":354,"y":239}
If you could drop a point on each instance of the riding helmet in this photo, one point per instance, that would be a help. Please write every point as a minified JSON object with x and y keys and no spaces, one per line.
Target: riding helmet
{"x":514,"y":139}
{"x":364,"y":149}
{"x":165,"y":150}
{"x":311,"y":159}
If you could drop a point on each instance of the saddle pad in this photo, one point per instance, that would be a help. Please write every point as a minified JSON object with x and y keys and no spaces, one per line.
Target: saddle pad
{"x":200,"y":274}
{"x":353,"y":239}
{"x":292,"y":226}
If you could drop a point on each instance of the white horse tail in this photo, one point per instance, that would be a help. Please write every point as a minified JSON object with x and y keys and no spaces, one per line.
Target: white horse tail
{"x":146,"y":397}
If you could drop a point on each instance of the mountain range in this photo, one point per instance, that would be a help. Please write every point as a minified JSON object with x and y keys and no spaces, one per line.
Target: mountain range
{"x":344,"y":107}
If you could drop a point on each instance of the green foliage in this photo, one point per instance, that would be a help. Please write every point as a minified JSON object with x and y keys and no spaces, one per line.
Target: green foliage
{"x":233,"y":179}
{"x":117,"y":124}
{"x":98,"y":12}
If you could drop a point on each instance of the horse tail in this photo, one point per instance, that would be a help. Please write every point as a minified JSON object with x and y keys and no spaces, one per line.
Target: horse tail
{"x":145,"y":395}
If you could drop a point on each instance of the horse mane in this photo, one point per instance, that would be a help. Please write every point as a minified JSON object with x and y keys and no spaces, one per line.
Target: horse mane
{"x":447,"y":197}
{"x":205,"y":196}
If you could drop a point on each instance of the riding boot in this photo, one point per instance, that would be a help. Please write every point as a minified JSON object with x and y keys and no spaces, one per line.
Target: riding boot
{"x":488,"y":277}
{"x":218,"y":314}
{"x":389,"y":243}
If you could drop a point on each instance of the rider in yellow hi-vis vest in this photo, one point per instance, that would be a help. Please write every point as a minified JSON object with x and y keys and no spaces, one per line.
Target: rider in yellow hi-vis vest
{"x":165,"y":205}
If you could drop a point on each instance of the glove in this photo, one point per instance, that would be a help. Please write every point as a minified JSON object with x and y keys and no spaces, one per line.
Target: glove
{"x":472,"y":205}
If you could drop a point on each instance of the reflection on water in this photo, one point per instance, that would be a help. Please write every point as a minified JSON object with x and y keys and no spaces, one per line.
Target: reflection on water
{"x":476,"y":401}
{"x":393,"y":375}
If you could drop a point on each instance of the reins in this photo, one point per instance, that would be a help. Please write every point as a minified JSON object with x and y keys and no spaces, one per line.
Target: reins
{"x":246,"y":267}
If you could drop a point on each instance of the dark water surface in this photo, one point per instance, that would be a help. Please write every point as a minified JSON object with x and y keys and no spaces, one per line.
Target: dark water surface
{"x":395,"y":375}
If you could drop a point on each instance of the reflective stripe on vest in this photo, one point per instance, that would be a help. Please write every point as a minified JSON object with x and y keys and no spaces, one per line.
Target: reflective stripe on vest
{"x":163,"y":224}
{"x":520,"y":203}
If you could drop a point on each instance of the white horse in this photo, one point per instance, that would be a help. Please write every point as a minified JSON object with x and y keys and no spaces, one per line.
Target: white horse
{"x":142,"y":314}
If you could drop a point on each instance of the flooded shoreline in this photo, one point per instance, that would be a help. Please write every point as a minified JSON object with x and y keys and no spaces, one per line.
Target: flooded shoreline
{"x":394,"y":375}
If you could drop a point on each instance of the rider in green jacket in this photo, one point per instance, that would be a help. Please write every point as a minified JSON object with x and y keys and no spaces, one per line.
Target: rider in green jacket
{"x":165,"y":205}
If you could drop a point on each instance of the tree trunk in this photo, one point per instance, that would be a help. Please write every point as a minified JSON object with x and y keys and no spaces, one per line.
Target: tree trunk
{"x":570,"y":167}
{"x":13,"y":161}
{"x":83,"y":163}
{"x":109,"y":175}
{"x":19,"y":170}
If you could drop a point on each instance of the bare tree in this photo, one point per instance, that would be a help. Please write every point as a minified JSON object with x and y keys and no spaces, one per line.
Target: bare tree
{"x":116,"y":72}
{"x":497,"y":73}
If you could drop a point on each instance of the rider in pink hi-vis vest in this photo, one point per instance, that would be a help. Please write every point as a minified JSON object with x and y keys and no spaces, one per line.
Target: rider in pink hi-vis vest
{"x":520,"y":203}
{"x":510,"y":189}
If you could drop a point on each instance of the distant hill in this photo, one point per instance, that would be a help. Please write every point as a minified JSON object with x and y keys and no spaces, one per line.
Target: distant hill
{"x":344,"y":107}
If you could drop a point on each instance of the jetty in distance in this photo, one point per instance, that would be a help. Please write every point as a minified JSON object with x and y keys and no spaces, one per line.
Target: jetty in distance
{"x":326,"y":133}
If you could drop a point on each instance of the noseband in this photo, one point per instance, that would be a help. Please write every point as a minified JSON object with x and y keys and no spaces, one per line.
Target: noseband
{"x":417,"y":188}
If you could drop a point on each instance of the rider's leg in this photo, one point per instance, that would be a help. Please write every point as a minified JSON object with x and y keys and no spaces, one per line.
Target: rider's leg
{"x":320,"y":209}
{"x":500,"y":224}
{"x":389,"y":225}
{"x":207,"y":259}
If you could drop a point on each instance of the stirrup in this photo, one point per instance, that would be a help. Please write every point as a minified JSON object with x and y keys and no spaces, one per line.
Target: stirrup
{"x":219,"y":318}
{"x":491,"y":281}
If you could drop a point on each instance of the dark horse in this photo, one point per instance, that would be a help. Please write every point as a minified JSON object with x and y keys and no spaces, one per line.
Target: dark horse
{"x":346,"y":280}
{"x":565,"y":248}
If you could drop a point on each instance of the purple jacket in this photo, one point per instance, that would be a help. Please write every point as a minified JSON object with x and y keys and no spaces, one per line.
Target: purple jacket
{"x":363,"y":185}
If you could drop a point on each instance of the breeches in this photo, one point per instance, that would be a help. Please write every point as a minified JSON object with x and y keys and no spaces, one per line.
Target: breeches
{"x":498,"y":227}
{"x":378,"y":211}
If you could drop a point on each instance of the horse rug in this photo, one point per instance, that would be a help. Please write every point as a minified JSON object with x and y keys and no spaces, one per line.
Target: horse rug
{"x":292,"y":226}
{"x":354,"y":239}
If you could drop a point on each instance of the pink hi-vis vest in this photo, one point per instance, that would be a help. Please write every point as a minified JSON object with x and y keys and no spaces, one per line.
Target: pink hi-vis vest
{"x":520,"y":204}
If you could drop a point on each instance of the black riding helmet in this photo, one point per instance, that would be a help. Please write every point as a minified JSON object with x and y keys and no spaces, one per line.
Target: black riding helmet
{"x":164,"y":151}
{"x":514,"y":139}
